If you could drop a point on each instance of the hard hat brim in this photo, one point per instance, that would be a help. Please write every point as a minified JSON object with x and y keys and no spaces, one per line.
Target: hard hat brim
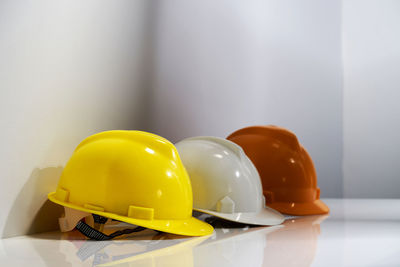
{"x":187,"y":227}
{"x":265,"y":216}
{"x":301,"y":208}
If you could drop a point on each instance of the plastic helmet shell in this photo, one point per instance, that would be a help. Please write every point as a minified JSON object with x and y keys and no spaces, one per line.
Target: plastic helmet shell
{"x":286,"y":169}
{"x":130,"y":176}
{"x":225,"y":183}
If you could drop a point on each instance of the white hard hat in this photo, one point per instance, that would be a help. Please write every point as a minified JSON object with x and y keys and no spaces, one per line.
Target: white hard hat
{"x":225,"y":182}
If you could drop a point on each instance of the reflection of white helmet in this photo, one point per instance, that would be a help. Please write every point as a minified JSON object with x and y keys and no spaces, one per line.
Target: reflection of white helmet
{"x":225,"y":182}
{"x":234,"y":247}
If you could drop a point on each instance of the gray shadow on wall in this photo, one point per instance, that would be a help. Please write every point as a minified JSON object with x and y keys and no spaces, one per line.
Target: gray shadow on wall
{"x":31,"y":211}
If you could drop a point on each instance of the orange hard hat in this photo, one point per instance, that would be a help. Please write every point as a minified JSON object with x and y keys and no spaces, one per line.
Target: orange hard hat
{"x":286,"y":169}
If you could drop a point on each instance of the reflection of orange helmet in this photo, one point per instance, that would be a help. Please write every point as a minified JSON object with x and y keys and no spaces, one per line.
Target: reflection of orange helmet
{"x":295,"y":244}
{"x":287,"y":172}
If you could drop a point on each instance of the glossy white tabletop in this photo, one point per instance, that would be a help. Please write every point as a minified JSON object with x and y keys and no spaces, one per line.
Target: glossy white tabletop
{"x":357,"y":232}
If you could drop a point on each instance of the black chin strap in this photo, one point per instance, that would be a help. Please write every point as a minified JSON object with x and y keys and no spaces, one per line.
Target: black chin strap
{"x":94,"y":234}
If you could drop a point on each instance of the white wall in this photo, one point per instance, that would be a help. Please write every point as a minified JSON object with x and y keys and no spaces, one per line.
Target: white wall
{"x":371,"y":55}
{"x":68,"y":69}
{"x":223,"y":65}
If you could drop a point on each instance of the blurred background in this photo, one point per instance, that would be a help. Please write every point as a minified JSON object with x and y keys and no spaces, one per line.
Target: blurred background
{"x":327,"y":70}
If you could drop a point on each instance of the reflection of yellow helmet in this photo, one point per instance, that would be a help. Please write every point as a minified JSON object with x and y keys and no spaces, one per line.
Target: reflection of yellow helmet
{"x":176,"y":253}
{"x":130,"y":176}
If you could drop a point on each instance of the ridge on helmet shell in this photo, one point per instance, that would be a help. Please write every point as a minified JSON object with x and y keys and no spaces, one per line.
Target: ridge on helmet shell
{"x":162,"y":144}
{"x":272,"y":131}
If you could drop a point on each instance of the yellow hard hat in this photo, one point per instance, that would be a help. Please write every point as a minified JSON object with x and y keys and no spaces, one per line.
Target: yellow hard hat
{"x":130,"y":176}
